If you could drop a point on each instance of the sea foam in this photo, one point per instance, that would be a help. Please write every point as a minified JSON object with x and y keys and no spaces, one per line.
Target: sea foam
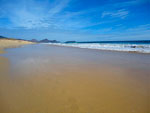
{"x":141,"y":48}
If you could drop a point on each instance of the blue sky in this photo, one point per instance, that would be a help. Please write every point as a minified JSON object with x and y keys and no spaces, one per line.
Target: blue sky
{"x":81,"y":20}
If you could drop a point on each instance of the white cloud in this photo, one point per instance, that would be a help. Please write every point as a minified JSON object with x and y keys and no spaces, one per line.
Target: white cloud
{"x":58,"y":7}
{"x":140,"y":28}
{"x":31,"y":13}
{"x":116,"y":14}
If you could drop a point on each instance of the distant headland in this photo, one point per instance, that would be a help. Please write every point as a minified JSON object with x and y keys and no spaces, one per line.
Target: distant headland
{"x":73,"y":41}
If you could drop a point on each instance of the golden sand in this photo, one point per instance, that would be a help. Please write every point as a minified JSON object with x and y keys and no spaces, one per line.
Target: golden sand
{"x":10,"y":43}
{"x":79,"y":82}
{"x":1,"y":51}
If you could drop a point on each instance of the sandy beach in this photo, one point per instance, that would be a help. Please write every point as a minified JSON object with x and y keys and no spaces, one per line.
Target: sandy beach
{"x":10,"y":43}
{"x":51,"y":79}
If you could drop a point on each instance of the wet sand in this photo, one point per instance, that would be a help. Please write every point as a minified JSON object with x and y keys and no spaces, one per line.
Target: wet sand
{"x":52,"y":79}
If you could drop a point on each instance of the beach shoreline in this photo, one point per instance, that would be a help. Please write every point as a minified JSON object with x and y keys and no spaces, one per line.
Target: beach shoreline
{"x":130,"y":48}
{"x":99,"y":50}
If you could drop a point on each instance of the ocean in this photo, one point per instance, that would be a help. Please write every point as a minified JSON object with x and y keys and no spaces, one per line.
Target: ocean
{"x":128,"y":46}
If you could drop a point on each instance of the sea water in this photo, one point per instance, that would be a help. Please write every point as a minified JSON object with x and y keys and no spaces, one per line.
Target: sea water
{"x":128,"y":46}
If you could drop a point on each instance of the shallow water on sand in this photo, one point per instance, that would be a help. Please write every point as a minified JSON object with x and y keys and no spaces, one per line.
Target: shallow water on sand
{"x":51,"y":79}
